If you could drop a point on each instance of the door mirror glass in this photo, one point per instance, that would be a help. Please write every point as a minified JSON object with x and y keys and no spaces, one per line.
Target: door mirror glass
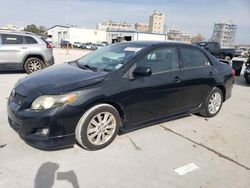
{"x":142,"y":71}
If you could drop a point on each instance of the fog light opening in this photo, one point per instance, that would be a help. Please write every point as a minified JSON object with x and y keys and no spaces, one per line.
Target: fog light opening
{"x":42,"y":132}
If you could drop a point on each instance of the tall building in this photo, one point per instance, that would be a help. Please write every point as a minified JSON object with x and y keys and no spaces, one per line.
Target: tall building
{"x":224,"y":33}
{"x":141,"y":27}
{"x":109,"y":25}
{"x":176,"y":34}
{"x":156,"y":22}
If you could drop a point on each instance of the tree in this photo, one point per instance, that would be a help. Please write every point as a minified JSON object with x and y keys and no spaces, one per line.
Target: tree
{"x":197,"y":38}
{"x":34,"y":29}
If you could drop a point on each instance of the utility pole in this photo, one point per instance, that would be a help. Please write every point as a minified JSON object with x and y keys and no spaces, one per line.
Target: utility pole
{"x":67,"y":20}
{"x":67,"y":12}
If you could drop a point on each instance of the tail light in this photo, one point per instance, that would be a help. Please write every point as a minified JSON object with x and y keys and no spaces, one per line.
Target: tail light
{"x":233,"y":72}
{"x":49,"y":45}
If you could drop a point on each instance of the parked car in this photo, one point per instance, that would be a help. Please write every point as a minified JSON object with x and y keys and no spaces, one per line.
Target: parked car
{"x":247,"y":71}
{"x":119,"y":88}
{"x":96,"y":46}
{"x":87,"y":45}
{"x":77,"y":44}
{"x":66,"y":44}
{"x":215,"y":49}
{"x":238,"y":52}
{"x":241,"y":52}
{"x":24,"y":51}
{"x":245,"y":53}
{"x":105,"y":43}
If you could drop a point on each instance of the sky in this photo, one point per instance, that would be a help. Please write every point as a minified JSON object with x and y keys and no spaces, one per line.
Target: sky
{"x":193,"y":16}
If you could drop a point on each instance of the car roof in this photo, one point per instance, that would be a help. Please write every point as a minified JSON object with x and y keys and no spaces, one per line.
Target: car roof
{"x":151,"y":43}
{"x":22,"y":33}
{"x":17,"y":32}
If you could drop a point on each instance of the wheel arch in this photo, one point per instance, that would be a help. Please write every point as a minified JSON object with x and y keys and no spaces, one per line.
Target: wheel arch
{"x":114,"y":104}
{"x":223,"y":89}
{"x":39,"y":56}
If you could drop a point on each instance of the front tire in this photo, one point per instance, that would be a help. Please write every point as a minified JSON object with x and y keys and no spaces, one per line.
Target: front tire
{"x":213,"y":103}
{"x":247,"y":80}
{"x":98,"y":127}
{"x":33,"y":64}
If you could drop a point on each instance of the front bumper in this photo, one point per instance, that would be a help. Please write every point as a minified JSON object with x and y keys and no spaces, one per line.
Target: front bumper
{"x":61,"y":123}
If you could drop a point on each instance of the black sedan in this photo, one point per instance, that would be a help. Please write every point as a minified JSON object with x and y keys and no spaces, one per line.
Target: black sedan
{"x":118,"y":88}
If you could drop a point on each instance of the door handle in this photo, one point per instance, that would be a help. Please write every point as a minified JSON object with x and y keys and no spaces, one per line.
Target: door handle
{"x":177,"y":79}
{"x":210,"y":73}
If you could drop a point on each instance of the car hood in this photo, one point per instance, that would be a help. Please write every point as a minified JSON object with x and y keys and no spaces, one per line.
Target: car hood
{"x":61,"y":78}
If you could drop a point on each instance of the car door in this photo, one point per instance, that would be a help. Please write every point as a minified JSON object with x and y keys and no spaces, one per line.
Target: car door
{"x":157,"y":95}
{"x":12,"y":50}
{"x":198,"y":76}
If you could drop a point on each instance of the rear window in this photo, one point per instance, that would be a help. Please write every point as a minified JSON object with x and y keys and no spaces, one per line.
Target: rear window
{"x":12,"y":39}
{"x":192,"y":57}
{"x":30,"y":40}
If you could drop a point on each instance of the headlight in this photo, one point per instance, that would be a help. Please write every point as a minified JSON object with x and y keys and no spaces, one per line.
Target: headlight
{"x":49,"y":101}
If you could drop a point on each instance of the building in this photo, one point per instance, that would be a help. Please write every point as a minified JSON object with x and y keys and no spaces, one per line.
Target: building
{"x":224,"y":33}
{"x":109,"y":25}
{"x":185,"y":37}
{"x":121,"y":36}
{"x":157,"y":22}
{"x":59,"y":33}
{"x":141,"y":27}
{"x":176,"y":34}
{"x":11,"y":28}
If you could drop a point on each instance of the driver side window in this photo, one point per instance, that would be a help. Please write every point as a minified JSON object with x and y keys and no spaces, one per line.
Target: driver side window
{"x":160,"y":60}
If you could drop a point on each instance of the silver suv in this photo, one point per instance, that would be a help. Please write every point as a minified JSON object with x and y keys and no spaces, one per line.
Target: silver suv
{"x":24,"y":51}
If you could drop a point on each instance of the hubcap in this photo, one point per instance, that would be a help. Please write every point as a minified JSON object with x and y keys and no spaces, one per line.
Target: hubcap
{"x":101,"y":128}
{"x":34,"y":66}
{"x":214,"y":103}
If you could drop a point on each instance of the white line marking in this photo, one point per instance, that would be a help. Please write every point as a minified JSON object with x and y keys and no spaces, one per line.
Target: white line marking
{"x":185,"y":169}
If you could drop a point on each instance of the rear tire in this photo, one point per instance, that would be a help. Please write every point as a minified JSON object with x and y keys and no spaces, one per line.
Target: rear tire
{"x":227,"y":58}
{"x":33,"y":64}
{"x":213,"y":103}
{"x":98,"y":127}
{"x":247,"y":80}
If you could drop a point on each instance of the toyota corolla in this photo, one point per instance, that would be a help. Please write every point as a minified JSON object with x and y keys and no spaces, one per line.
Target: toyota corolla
{"x":118,"y":88}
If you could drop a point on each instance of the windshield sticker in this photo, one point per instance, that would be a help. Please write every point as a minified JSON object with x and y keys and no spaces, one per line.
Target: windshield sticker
{"x":118,"y":66}
{"x":132,"y":49}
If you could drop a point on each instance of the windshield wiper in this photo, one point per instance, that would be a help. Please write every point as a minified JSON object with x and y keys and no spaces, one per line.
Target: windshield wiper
{"x":94,"y":69}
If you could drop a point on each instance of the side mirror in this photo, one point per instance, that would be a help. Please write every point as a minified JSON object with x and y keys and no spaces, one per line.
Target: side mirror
{"x":142,"y":71}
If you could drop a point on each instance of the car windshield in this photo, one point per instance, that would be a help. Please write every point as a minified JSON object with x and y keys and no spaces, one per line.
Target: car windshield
{"x":109,"y":58}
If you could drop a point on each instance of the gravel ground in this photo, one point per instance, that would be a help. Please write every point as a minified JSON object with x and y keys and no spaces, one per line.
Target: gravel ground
{"x":148,"y":157}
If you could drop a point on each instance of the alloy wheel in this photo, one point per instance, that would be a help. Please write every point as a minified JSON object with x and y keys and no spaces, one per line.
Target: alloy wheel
{"x":101,"y":128}
{"x":214,"y":103}
{"x":34,"y":66}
